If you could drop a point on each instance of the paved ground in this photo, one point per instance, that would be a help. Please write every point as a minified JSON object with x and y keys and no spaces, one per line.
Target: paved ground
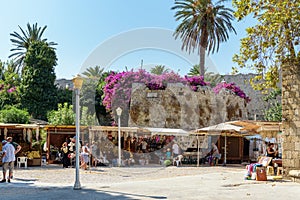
{"x":54,"y":182}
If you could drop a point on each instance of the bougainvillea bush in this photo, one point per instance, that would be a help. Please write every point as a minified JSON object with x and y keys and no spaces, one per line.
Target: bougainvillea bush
{"x":195,"y":81}
{"x":117,"y":90}
{"x":232,"y":87}
{"x":9,"y":95}
{"x":118,"y":85}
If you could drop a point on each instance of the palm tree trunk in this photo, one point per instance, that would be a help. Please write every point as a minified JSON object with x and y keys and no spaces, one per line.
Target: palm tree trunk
{"x":203,"y":46}
{"x":202,"y":61}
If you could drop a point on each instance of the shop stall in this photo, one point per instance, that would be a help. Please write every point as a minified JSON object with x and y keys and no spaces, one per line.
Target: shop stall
{"x":56,"y":136}
{"x":28,"y":137}
{"x":105,"y":142}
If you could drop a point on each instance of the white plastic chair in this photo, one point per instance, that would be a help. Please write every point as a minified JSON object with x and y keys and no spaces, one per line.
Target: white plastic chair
{"x":178,"y":160}
{"x":22,"y":160}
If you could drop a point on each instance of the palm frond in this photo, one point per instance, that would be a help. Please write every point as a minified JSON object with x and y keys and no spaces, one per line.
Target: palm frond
{"x":22,"y":42}
{"x":203,"y":25}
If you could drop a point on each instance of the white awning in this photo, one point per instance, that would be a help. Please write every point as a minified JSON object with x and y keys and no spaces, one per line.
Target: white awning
{"x":222,"y":129}
{"x":167,"y":131}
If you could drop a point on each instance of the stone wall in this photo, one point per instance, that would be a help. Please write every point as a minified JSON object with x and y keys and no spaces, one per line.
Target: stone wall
{"x":291,"y":118}
{"x":179,"y":107}
{"x":255,"y":108}
{"x":257,"y":105}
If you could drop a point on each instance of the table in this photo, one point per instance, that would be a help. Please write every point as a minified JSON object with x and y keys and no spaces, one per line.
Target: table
{"x":277,"y":161}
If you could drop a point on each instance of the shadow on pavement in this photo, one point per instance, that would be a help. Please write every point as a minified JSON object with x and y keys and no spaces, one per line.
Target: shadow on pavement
{"x":11,"y":191}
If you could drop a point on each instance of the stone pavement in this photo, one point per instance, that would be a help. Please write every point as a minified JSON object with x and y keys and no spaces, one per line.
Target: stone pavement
{"x":146,"y":182}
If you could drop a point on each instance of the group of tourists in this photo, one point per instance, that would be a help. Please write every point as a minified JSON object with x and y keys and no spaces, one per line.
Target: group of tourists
{"x":9,"y":150}
{"x":146,"y":144}
{"x":87,"y":154}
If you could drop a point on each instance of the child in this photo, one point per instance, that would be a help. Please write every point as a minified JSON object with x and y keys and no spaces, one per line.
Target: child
{"x":85,"y":158}
{"x":168,"y":154}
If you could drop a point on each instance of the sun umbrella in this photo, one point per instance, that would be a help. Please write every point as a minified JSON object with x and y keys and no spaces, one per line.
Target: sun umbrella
{"x":223,"y":129}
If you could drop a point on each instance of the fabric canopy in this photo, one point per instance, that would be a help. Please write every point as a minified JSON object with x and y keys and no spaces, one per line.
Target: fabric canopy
{"x":247,"y":125}
{"x":225,"y":129}
{"x":167,"y":131}
{"x":222,"y":129}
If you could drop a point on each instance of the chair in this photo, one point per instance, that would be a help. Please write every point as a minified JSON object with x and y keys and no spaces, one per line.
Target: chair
{"x":22,"y":160}
{"x":270,"y":171}
{"x":178,"y":160}
{"x":279,"y":171}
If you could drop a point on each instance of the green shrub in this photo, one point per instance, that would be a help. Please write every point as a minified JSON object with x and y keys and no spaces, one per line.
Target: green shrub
{"x":167,"y":163}
{"x":63,"y":116}
{"x":14,"y":115}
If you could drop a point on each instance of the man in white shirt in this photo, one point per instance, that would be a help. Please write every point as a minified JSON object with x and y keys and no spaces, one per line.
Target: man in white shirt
{"x":8,"y":160}
{"x":175,"y":150}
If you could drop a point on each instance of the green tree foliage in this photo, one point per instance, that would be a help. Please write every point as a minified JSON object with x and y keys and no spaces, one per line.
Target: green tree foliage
{"x":272,"y":42}
{"x":274,"y":113}
{"x":195,"y":71}
{"x":22,"y":42}
{"x":210,"y":77}
{"x":87,"y":99}
{"x":213,"y":78}
{"x":159,"y":70}
{"x":64,"y":95}
{"x":203,"y":26}
{"x":9,"y":85}
{"x":37,"y":85}
{"x":12,"y":114}
{"x":93,"y":72}
{"x":104,"y":118}
{"x":86,"y":118}
{"x":64,"y":115}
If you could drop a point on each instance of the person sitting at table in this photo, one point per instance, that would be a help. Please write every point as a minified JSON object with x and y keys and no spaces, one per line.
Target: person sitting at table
{"x":271,"y":152}
{"x":215,"y":155}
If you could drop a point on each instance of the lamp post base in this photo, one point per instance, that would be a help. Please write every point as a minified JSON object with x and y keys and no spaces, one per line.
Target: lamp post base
{"x":77,"y":186}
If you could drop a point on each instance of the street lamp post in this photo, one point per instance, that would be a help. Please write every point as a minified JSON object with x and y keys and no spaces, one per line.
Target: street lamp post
{"x":119,"y":112}
{"x":225,"y":142}
{"x":77,"y":82}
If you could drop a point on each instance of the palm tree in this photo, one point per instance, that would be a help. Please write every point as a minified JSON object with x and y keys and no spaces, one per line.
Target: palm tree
{"x":203,"y":26}
{"x":24,"y":40}
{"x":210,"y":77}
{"x":213,"y":78}
{"x":194,"y":71}
{"x":94,"y":72}
{"x":159,"y":69}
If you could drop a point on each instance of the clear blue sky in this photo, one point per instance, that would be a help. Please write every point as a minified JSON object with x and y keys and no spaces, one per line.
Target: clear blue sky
{"x":79,"y":27}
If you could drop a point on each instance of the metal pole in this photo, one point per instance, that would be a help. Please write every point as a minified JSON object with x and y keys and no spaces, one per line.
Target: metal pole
{"x":77,"y":185}
{"x":225,"y":151}
{"x":90,"y":153}
{"x":119,"y":140}
{"x":198,"y":152}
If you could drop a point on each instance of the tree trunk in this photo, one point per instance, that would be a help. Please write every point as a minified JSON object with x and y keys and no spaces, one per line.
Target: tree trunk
{"x":202,"y":61}
{"x":203,"y":46}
